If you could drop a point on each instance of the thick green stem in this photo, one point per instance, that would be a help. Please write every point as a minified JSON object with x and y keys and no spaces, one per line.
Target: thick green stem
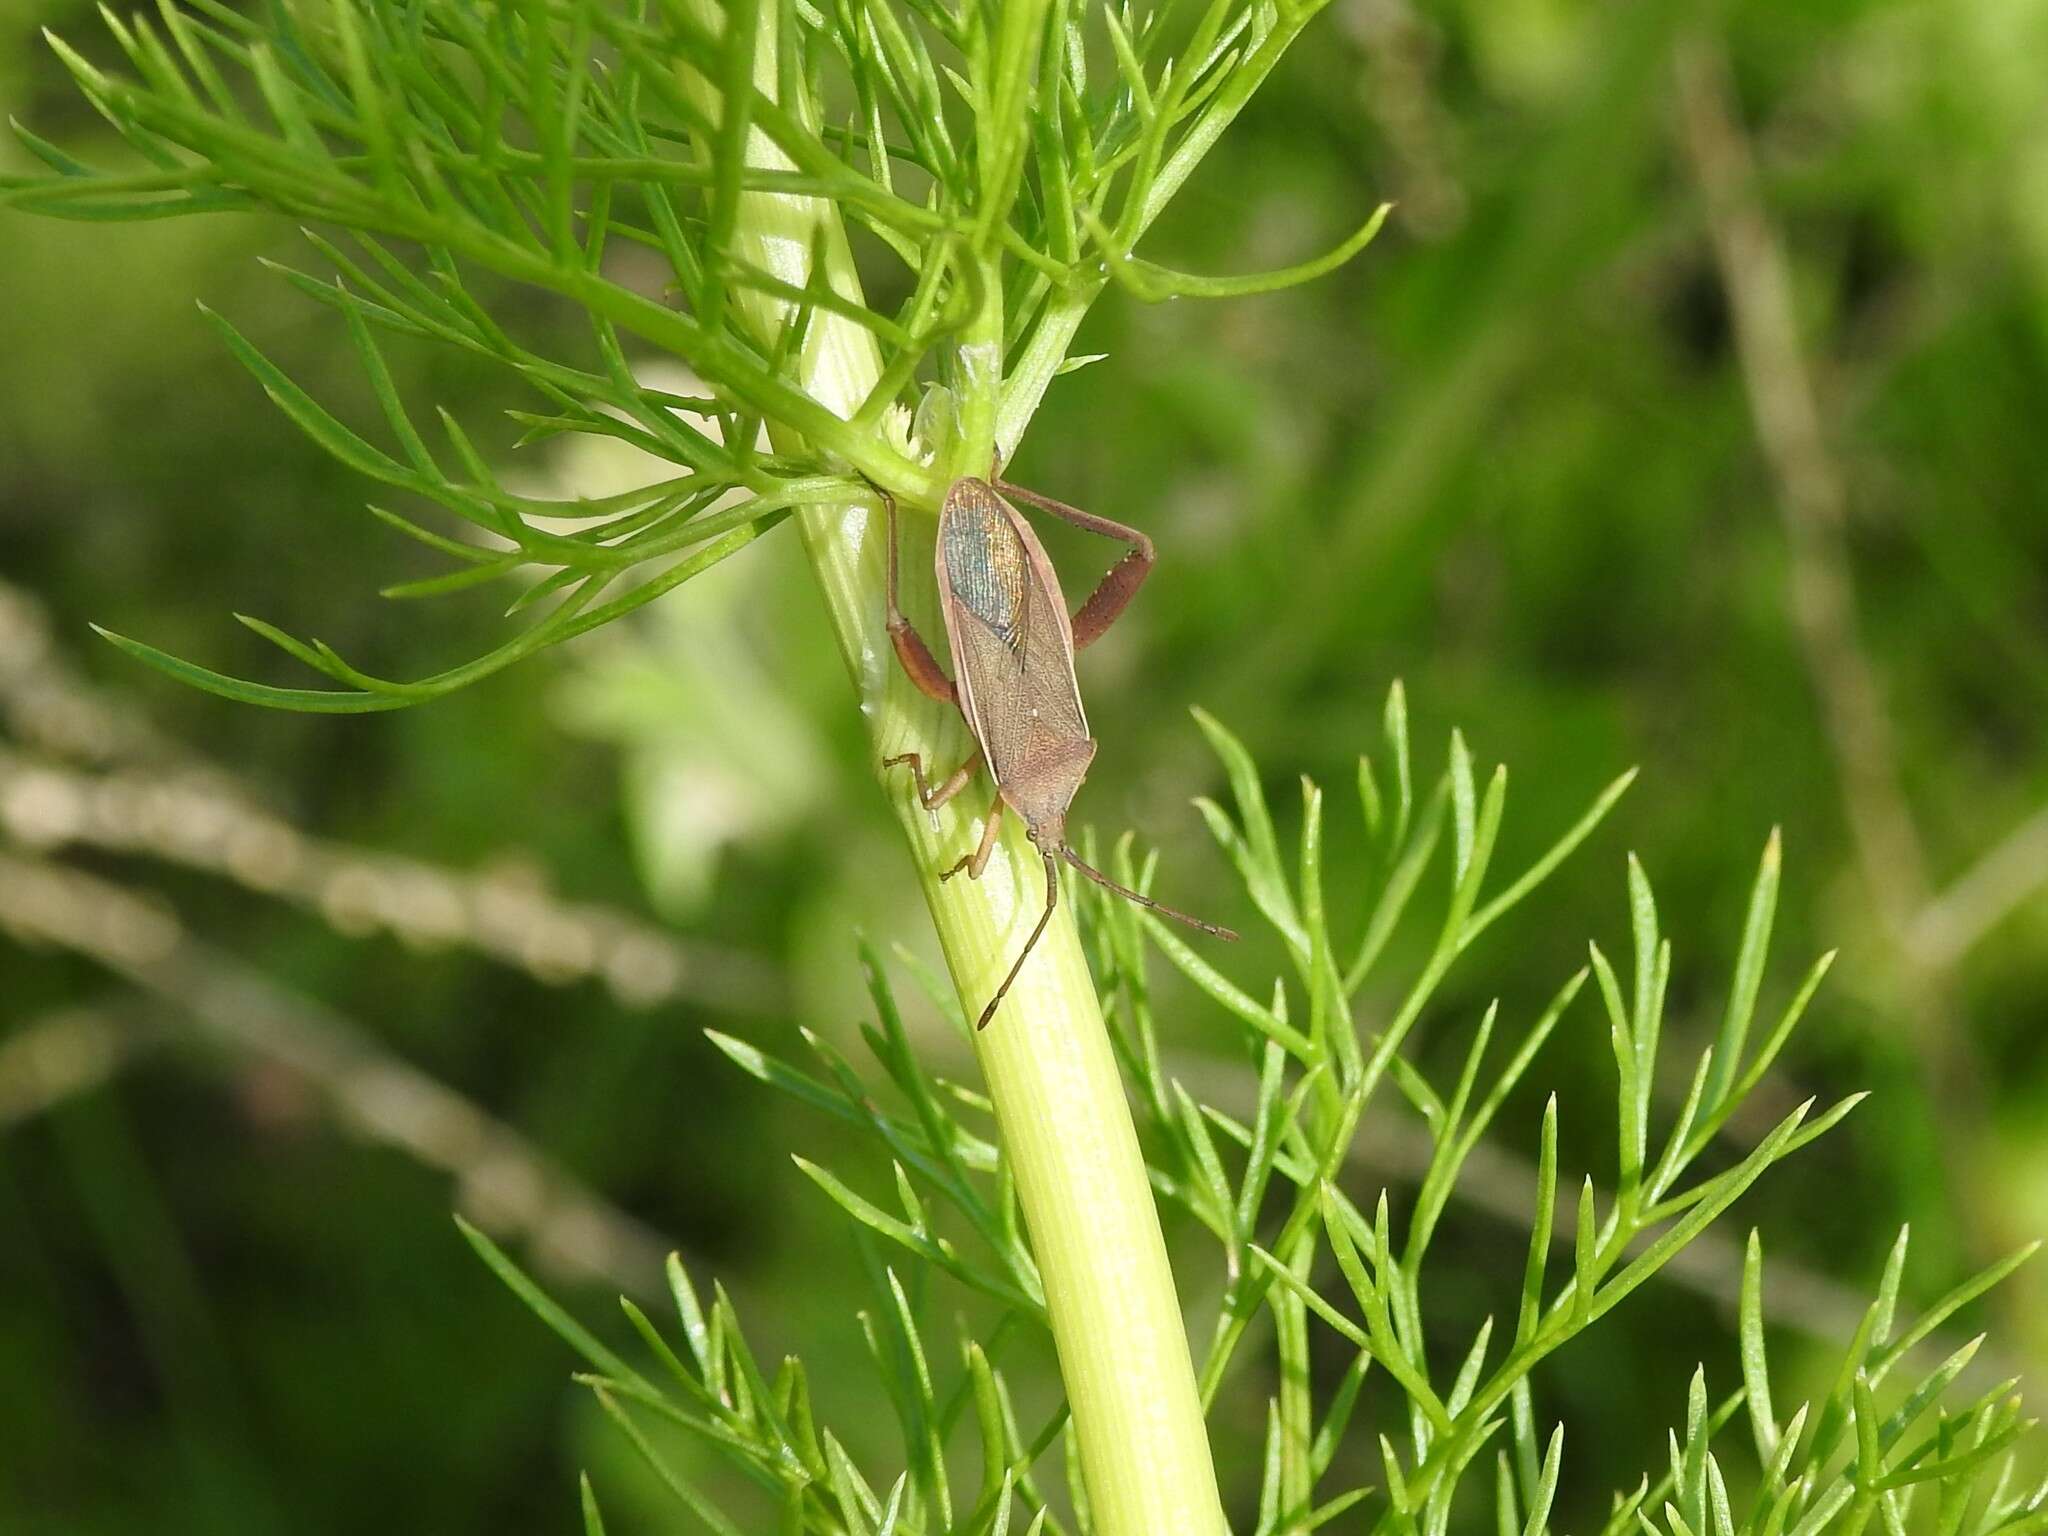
{"x":1066,"y":1125}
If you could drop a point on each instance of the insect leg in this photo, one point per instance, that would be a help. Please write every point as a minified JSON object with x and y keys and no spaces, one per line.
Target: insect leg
{"x":1108,"y":601}
{"x":1052,"y":896}
{"x":916,"y":657}
{"x":975,"y":862}
{"x":931,"y":799}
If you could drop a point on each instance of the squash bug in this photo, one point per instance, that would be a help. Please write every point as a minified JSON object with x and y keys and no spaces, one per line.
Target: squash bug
{"x":1013,"y":648}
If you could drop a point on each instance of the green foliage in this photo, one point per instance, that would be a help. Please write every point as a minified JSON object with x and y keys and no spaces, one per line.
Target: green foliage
{"x":366,"y":117}
{"x":995,"y":179}
{"x":1301,"y":1250}
{"x":1837,"y":1464}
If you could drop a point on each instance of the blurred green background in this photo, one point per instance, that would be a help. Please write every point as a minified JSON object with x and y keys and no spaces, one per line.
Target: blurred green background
{"x":1692,"y":412}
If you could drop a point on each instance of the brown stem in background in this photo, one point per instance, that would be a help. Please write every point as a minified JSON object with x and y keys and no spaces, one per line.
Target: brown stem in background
{"x":199,"y":820}
{"x":61,"y":1055}
{"x":1950,"y":925}
{"x":504,"y":1183}
{"x":159,"y":800}
{"x":1813,"y":502}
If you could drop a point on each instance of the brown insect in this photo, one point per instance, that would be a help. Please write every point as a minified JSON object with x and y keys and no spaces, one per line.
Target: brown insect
{"x":1013,"y":647}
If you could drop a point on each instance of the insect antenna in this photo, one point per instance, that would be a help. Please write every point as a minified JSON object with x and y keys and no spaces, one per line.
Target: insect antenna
{"x":1052,"y":896}
{"x":1146,"y":902}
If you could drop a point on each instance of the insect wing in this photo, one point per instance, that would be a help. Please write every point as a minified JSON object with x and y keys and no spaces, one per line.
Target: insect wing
{"x":985,"y":566}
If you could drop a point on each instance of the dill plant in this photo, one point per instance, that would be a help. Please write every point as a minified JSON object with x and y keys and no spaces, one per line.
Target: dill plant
{"x":996,"y":166}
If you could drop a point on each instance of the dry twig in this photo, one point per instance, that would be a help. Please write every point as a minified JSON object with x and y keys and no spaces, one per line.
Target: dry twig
{"x":1813,"y":502}
{"x":503,"y":1182}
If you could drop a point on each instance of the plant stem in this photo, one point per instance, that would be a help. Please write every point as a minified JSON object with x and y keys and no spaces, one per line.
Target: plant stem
{"x":1066,"y":1126}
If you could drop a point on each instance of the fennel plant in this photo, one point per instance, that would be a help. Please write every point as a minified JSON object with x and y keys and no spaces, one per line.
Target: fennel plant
{"x":994,"y":168}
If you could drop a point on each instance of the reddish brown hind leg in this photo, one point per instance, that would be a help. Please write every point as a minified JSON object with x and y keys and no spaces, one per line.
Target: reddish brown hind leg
{"x":975,"y":862}
{"x":931,"y":799}
{"x":916,"y":657}
{"x":1108,"y":601}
